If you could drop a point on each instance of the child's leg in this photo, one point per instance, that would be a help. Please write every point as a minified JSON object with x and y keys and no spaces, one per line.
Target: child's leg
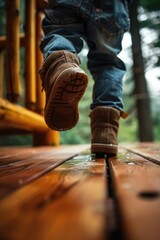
{"x":62,"y":78}
{"x":107,"y":71}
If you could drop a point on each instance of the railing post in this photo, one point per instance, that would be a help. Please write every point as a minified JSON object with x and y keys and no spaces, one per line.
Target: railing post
{"x":46,"y":138}
{"x":1,"y":73}
{"x":12,"y":54}
{"x":39,"y":58}
{"x":49,"y":137}
{"x":30,"y":66}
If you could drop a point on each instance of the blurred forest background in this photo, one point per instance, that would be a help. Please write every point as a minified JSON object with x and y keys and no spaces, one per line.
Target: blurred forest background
{"x":141,"y":95}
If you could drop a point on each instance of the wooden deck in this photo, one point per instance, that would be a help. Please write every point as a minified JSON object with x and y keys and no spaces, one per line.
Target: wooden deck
{"x":64,"y":193}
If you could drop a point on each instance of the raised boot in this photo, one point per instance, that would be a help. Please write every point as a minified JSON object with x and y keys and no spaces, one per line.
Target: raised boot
{"x":104,"y":130}
{"x":64,"y":83}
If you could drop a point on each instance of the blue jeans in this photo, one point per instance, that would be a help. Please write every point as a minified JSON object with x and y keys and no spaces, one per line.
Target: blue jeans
{"x":101,"y":23}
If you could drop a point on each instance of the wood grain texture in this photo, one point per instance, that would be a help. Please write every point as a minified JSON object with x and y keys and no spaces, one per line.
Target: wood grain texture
{"x":50,"y":195}
{"x":67,"y":203}
{"x":19,"y":166}
{"x":136,"y":183}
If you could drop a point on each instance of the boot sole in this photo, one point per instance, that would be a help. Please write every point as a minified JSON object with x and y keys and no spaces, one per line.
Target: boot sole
{"x":104,"y":148}
{"x":61,"y":111}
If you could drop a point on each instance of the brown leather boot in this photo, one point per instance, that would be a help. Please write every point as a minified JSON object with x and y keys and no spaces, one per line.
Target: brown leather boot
{"x":64,"y":83}
{"x":104,"y":130}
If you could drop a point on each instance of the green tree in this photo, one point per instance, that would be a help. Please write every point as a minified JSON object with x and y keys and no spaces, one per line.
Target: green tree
{"x":150,"y":21}
{"x":141,"y":90}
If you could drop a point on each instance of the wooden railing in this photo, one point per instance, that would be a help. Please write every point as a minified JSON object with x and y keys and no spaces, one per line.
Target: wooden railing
{"x":29,"y":117}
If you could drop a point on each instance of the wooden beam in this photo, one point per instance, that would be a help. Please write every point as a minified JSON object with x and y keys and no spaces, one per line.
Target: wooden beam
{"x":21,"y":118}
{"x":18,"y":118}
{"x":12,"y":54}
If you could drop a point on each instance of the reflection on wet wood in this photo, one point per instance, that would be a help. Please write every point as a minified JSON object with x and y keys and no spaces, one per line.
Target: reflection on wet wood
{"x":67,"y":203}
{"x":19,"y":166}
{"x":151,"y":151}
{"x":137,"y":191}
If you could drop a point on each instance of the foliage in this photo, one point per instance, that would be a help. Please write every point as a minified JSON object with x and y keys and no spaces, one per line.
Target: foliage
{"x":150,"y":5}
{"x":15,"y":140}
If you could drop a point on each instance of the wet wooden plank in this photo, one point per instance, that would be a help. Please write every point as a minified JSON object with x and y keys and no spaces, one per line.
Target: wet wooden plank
{"x":19,"y":166}
{"x":136,"y":183}
{"x":149,"y":150}
{"x":67,"y":203}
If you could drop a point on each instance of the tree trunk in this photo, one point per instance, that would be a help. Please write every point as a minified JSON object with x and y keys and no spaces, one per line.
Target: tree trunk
{"x":141,"y":91}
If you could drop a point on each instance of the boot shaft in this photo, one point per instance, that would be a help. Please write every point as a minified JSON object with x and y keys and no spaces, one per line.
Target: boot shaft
{"x":104,"y":128}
